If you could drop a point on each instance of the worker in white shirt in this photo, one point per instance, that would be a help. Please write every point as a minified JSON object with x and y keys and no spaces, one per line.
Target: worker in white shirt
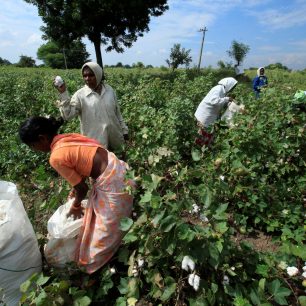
{"x":96,"y":106}
{"x":210,"y":108}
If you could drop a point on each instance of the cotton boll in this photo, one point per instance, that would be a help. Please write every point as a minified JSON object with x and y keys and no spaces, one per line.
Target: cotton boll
{"x":191,"y":279}
{"x":140,"y":262}
{"x":304,"y":268}
{"x":225,"y":280}
{"x":282,"y":265}
{"x":292,"y":271}
{"x":188,"y":263}
{"x":304,"y":274}
{"x":112,"y":270}
{"x":196,"y":282}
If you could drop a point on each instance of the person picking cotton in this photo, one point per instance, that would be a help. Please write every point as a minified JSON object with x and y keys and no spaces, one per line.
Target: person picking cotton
{"x":210,"y":108}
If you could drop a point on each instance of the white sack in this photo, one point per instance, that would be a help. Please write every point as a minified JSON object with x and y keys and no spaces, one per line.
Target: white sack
{"x":62,"y":235}
{"x":18,"y":245}
{"x":230,"y":112}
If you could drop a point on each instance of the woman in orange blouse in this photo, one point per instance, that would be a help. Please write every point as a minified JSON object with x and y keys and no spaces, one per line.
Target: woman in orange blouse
{"x":76,"y":157}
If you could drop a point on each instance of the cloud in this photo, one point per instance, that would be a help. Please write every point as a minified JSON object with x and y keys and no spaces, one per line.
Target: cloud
{"x":33,"y":39}
{"x":276,"y":19}
{"x":269,"y":48}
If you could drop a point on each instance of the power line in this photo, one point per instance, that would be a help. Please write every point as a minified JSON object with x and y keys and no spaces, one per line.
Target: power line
{"x":203,"y":37}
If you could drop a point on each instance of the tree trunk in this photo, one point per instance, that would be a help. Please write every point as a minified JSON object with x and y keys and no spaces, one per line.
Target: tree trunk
{"x":97,"y":44}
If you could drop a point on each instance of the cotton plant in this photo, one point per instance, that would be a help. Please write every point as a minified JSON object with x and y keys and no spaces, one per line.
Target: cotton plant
{"x":138,"y":266}
{"x":196,"y":209}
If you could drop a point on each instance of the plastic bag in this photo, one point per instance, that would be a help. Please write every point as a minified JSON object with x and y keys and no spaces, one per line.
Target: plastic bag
{"x":62,"y":235}
{"x":19,"y":253}
{"x":230,"y":112}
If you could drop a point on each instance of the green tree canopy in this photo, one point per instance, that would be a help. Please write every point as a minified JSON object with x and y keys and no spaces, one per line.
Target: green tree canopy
{"x":115,"y":24}
{"x":277,"y":66}
{"x":26,"y":61}
{"x":238,"y":51}
{"x":178,"y":57}
{"x":54,"y":56}
{"x":4,"y":62}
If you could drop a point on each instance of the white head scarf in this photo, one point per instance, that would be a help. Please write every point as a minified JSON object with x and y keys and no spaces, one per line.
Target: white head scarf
{"x":228,"y":83}
{"x":258,"y":71}
{"x":96,"y":69}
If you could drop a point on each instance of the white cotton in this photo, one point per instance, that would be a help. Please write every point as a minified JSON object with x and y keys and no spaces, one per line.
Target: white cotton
{"x":225,"y":280}
{"x":222,"y":177}
{"x":304,"y":274}
{"x":191,"y":279}
{"x":292,"y":271}
{"x":196,"y":208}
{"x":140,"y":262}
{"x":135,"y":272}
{"x":112,"y":270}
{"x":196,"y":282}
{"x":188,"y":263}
{"x":304,"y":268}
{"x":203,"y":218}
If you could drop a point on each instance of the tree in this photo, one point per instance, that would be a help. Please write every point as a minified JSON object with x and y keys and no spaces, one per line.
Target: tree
{"x":238,"y":51}
{"x":277,"y":66}
{"x":115,"y":24}
{"x":178,"y":57}
{"x":26,"y":61}
{"x":54,"y":56}
{"x":4,"y":62}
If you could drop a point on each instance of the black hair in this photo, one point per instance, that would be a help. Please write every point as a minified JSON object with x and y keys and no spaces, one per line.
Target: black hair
{"x":30,"y":129}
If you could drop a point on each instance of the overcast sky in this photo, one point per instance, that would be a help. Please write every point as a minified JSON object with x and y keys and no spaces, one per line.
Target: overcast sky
{"x":275,"y":30}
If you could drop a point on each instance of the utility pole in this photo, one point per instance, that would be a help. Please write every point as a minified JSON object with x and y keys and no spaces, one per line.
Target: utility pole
{"x":203,"y":37}
{"x":65,"y":58}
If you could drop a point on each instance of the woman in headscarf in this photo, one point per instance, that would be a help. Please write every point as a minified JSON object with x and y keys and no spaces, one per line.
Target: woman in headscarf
{"x":260,"y":81}
{"x":209,"y":110}
{"x":97,"y":107}
{"x":76,"y":157}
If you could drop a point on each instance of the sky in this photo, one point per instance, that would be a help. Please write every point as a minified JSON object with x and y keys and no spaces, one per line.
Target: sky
{"x":275,"y":31}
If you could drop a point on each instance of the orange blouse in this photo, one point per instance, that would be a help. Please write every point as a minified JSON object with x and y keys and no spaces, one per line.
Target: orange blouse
{"x":72,"y":156}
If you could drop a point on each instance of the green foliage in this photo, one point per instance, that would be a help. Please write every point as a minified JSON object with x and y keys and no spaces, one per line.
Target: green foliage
{"x":178,"y":57}
{"x":251,"y":182}
{"x":238,"y":51}
{"x":53,"y":56}
{"x":26,"y":61}
{"x":111,"y":23}
{"x":277,"y":66}
{"x":4,"y":62}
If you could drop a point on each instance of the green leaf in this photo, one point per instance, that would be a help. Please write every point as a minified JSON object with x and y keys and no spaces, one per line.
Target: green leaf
{"x":263,"y":270}
{"x":82,"y":301}
{"x":123,"y":287}
{"x":302,"y":300}
{"x":24,"y":287}
{"x":41,"y":299}
{"x":196,"y":155}
{"x":121,"y":301}
{"x":125,"y":224}
{"x":170,"y":287}
{"x":42,"y":280}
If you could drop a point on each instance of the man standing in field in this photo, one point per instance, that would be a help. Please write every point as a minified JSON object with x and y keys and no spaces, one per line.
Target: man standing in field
{"x":96,"y":106}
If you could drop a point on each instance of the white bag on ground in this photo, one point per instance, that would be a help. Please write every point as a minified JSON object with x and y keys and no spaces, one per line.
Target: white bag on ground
{"x":62,"y":234}
{"x":230,"y":112}
{"x":19,"y":252}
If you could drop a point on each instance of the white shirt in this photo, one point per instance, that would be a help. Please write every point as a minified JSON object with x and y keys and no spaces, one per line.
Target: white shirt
{"x":99,"y":115}
{"x":210,"y":107}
